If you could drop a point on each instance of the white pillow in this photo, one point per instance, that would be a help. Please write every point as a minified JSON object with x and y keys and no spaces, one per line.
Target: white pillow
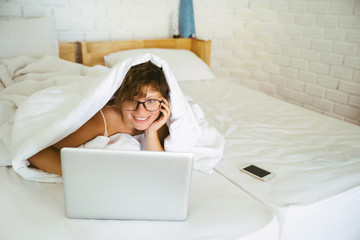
{"x":184,"y":64}
{"x":34,"y":37}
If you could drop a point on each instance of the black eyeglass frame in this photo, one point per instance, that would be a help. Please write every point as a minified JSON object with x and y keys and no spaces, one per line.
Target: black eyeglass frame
{"x":143,"y":103}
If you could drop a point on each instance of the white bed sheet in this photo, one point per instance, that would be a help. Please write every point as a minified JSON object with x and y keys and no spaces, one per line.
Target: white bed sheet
{"x":316,"y":158}
{"x":218,"y":210}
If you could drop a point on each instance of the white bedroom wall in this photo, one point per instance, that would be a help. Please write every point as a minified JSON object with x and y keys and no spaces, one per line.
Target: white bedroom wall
{"x":306,"y":52}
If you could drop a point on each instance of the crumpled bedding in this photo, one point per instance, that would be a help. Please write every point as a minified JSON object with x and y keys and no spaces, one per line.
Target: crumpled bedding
{"x":44,"y":100}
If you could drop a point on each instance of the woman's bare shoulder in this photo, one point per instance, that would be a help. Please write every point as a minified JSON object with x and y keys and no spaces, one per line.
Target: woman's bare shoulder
{"x":92,"y":128}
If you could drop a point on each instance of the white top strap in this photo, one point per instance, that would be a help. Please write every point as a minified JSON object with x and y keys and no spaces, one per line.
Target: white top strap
{"x":105,"y":132}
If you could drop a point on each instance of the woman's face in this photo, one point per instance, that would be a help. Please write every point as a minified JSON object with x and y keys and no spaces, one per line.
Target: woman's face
{"x":141,"y":118}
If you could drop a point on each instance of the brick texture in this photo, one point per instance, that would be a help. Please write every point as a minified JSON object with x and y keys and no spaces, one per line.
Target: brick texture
{"x":303,"y":52}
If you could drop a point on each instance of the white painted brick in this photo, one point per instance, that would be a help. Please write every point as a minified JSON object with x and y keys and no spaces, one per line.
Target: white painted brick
{"x":255,"y":26}
{"x":319,"y":68}
{"x":319,"y":7}
{"x":71,"y":36}
{"x":354,"y":101}
{"x":351,"y":22}
{"x":224,"y":34}
{"x":350,"y":87}
{"x":250,"y":83}
{"x":285,"y":92}
{"x":336,"y":96}
{"x":341,"y":8}
{"x":30,"y":11}
{"x":81,"y":24}
{"x":62,"y":24}
{"x":330,"y":58}
{"x":107,"y":24}
{"x":346,"y":111}
{"x":255,"y":46}
{"x":298,"y":7}
{"x":251,"y":65}
{"x":299,"y":64}
{"x":279,"y":6}
{"x":275,"y":28}
{"x":313,"y":108}
{"x":288,"y":72}
{"x":293,"y":30}
{"x":82,"y":3}
{"x":268,"y":88}
{"x":263,"y":56}
{"x":301,"y":42}
{"x":282,"y":60}
{"x":266,"y":16}
{"x":233,"y":44}
{"x":97,"y":36}
{"x":264,"y":37}
{"x":67,"y":12}
{"x":119,"y":12}
{"x":328,"y":82}
{"x":322,"y":45}
{"x":259,"y":76}
{"x":223,"y":14}
{"x":259,"y":5}
{"x":121,"y":35}
{"x":314,"y":90}
{"x":271,"y":68}
{"x":241,"y":74}
{"x":244,"y":15}
{"x":295,"y":84}
{"x":291,"y":51}
{"x":305,"y":19}
{"x":307,"y":77}
{"x":222,"y":53}
{"x":244,"y":55}
{"x":231,"y":63}
{"x":344,"y":47}
{"x":221,"y":73}
{"x":313,"y":32}
{"x":352,"y":62}
{"x":242,"y":35}
{"x":277,"y":80}
{"x":283,"y":39}
{"x":353,"y":36}
{"x":303,"y":98}
{"x":335,"y":34}
{"x":237,"y":4}
{"x":322,"y":104}
{"x":341,"y":72}
{"x":93,"y":12}
{"x":273,"y":48}
{"x":326,"y":21}
{"x":10,"y":10}
{"x":356,"y":77}
{"x":286,"y":18}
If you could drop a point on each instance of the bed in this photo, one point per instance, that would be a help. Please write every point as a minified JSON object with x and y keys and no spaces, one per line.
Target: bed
{"x":316,"y":160}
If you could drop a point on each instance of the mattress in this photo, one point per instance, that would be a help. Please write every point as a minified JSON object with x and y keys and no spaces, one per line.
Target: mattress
{"x":316,"y":159}
{"x":217,"y":210}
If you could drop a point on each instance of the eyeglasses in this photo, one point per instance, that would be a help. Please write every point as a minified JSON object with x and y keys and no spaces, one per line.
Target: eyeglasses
{"x":150,"y":105}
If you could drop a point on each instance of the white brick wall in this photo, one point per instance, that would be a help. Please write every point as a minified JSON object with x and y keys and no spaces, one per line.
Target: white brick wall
{"x":306,"y":52}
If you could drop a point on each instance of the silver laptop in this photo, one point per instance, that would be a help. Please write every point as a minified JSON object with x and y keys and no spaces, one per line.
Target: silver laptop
{"x":129,"y":185}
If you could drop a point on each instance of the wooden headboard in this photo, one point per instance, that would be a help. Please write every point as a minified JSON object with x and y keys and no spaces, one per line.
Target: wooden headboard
{"x":92,"y":53}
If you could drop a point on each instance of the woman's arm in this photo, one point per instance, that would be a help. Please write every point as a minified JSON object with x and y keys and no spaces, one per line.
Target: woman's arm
{"x":48,"y":159}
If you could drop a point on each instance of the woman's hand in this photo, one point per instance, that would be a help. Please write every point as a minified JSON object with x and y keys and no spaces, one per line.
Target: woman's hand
{"x":155,"y":140}
{"x":164,"y":116}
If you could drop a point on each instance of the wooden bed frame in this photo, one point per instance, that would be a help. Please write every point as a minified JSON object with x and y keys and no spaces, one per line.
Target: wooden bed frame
{"x":92,"y":53}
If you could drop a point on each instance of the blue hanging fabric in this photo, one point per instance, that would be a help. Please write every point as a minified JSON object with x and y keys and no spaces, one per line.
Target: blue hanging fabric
{"x":186,"y":19}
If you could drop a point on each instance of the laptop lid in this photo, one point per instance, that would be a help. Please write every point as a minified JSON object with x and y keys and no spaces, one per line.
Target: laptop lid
{"x":131,"y":185}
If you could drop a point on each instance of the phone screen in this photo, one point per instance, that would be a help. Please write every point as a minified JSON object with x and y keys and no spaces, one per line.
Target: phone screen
{"x":257,"y":171}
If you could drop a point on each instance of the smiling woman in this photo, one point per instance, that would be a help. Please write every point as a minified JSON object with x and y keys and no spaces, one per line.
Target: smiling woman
{"x":139,"y":106}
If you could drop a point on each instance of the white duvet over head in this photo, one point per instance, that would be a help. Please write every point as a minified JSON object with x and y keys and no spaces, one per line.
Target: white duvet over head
{"x":57,"y":97}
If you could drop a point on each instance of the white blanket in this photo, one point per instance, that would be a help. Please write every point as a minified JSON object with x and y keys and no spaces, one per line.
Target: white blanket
{"x":46,"y":99}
